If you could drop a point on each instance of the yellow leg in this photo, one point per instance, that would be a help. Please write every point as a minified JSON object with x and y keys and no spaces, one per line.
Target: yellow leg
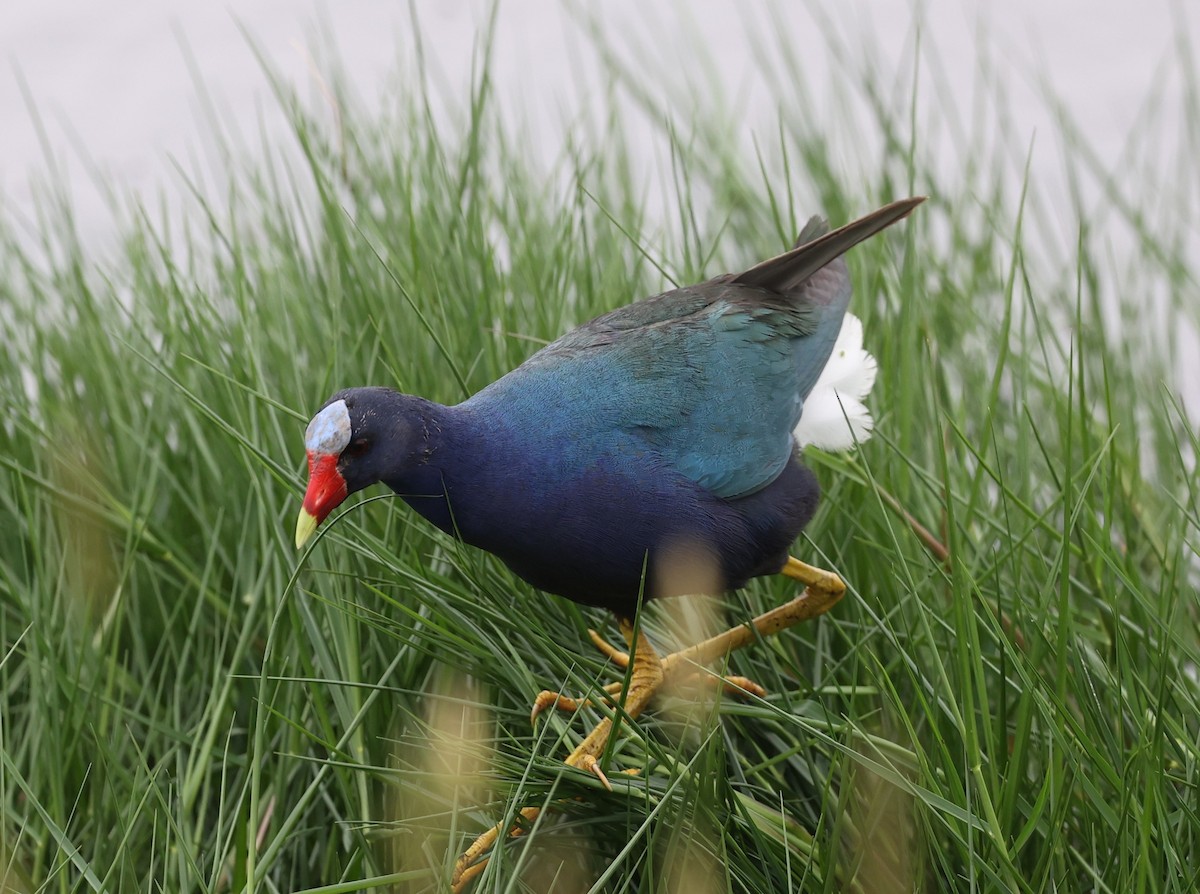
{"x":822,"y":591}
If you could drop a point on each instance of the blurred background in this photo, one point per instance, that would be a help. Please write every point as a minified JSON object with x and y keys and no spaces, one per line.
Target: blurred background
{"x":124,"y":88}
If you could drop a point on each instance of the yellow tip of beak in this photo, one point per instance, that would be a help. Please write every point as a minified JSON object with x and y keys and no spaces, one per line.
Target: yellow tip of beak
{"x":306,"y":526}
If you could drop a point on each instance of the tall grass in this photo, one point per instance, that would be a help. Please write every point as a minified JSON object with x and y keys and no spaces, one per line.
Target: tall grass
{"x":1007,"y":700}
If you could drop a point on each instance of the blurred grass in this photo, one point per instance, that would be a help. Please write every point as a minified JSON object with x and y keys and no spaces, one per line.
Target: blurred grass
{"x":183,"y":708}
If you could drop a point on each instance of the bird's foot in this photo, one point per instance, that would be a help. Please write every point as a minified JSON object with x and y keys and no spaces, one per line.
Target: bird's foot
{"x":475,"y":858}
{"x":676,"y":673}
{"x":822,"y":590}
{"x":473,"y":861}
{"x":558,"y":701}
{"x":644,"y":681}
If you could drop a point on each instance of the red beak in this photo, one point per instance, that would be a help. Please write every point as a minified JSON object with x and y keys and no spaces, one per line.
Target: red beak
{"x":326,"y":490}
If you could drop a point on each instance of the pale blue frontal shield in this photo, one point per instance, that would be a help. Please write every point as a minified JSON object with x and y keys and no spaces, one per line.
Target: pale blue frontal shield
{"x":329,"y":431}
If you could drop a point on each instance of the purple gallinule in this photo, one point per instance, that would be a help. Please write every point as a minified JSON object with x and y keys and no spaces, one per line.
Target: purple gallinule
{"x":671,"y":421}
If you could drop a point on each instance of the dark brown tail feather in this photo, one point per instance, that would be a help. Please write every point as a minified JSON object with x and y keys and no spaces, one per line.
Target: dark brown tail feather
{"x":785,"y":272}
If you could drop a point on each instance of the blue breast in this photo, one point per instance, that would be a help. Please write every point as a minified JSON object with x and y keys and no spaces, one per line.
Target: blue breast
{"x":587,"y":517}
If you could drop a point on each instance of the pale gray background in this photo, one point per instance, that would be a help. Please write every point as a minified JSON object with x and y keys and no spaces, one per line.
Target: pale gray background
{"x":115,"y":82}
{"x":114,"y":72}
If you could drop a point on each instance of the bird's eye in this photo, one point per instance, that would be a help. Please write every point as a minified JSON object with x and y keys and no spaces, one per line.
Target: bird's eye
{"x":357,"y":446}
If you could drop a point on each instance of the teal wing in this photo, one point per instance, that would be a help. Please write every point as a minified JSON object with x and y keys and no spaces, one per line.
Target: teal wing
{"x":710,"y":380}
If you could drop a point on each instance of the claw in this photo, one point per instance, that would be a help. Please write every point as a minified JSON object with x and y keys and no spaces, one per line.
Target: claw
{"x":547,"y":699}
{"x":589,"y":764}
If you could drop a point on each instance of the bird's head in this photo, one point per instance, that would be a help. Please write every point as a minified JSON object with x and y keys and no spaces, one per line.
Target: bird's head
{"x":349,"y":443}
